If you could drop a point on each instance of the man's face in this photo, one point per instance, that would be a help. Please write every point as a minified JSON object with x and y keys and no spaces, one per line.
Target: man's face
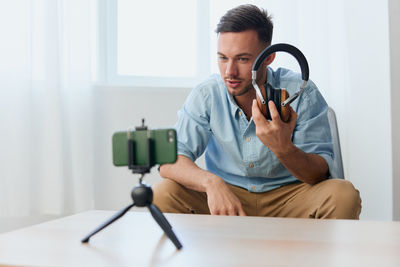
{"x":237,"y":52}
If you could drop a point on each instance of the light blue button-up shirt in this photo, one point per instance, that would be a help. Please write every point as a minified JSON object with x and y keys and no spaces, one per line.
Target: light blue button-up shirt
{"x":211,"y":121}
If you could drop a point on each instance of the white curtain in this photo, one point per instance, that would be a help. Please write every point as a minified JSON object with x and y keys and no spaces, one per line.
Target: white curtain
{"x":46,"y":146}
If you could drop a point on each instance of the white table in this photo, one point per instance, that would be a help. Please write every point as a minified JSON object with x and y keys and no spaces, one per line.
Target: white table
{"x":136,"y":240}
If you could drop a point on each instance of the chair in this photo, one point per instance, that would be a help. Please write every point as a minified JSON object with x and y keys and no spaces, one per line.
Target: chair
{"x":337,"y":171}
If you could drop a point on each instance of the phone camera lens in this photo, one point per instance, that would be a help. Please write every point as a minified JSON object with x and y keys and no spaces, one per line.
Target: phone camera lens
{"x":170,"y":136}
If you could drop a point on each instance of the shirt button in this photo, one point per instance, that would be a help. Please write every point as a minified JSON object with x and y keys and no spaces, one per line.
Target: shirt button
{"x":254,"y":187}
{"x":248,"y":139}
{"x":251,"y":165}
{"x":240,"y":113}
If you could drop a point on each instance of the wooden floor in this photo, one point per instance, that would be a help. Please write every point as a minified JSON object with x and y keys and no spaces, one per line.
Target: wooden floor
{"x":136,"y":240}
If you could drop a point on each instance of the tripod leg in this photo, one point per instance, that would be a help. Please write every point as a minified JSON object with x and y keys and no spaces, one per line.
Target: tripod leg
{"x":164,"y":224}
{"x":115,"y":217}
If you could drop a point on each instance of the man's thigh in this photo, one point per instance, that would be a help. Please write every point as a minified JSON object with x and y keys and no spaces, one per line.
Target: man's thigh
{"x":169,"y":196}
{"x":173,"y":197}
{"x":332,"y":198}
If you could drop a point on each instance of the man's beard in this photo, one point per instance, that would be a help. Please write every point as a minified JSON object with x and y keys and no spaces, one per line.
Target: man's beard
{"x":244,"y":91}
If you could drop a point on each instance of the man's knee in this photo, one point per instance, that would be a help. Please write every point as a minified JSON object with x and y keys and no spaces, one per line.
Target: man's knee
{"x":344,"y":197}
{"x":166,"y":188}
{"x":173,"y":197}
{"x":164,"y":195}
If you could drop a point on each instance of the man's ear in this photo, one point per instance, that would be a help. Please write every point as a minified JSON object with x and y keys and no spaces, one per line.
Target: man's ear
{"x":269,"y":59}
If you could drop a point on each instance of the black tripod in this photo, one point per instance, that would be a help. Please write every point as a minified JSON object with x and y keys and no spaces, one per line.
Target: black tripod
{"x":142,"y":195}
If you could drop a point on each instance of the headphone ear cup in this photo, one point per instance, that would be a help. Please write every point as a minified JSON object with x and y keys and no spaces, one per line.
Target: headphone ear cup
{"x":275,"y":96}
{"x":277,"y":100}
{"x":285,"y":111}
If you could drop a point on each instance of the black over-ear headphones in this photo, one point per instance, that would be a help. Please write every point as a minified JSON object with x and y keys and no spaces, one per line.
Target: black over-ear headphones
{"x":279,"y":96}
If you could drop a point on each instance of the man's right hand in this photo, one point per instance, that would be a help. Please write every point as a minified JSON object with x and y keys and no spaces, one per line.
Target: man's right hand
{"x":222,"y":201}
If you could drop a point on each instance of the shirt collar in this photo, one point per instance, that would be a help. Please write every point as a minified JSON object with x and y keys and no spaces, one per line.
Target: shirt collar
{"x":270,"y":77}
{"x":232,"y":103}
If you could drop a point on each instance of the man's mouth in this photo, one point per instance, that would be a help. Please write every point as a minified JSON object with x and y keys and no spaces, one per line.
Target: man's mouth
{"x":233,"y":83}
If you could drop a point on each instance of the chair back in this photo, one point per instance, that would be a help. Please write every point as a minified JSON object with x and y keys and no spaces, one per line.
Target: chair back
{"x":337,"y":171}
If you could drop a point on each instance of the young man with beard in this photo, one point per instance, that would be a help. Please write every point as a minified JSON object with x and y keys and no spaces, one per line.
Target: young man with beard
{"x":254,"y":167}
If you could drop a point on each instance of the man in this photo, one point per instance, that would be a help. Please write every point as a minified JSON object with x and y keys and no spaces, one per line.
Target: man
{"x":254,"y":166}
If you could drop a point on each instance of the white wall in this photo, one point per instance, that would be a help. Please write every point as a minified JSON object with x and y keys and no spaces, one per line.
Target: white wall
{"x":367,"y":116}
{"x":347,"y":45}
{"x":120,"y":108}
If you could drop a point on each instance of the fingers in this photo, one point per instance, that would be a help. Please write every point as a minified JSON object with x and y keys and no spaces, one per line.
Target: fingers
{"x":222,"y":201}
{"x":233,"y":208}
{"x":258,"y":117}
{"x":232,"y":211}
{"x":293,"y":117}
{"x":273,"y":111}
{"x":241,"y":212}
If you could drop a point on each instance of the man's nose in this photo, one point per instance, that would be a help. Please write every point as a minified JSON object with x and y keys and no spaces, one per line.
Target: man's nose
{"x":231,"y":69}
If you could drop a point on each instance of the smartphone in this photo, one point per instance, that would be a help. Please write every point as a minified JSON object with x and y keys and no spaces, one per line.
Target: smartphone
{"x":163,"y":146}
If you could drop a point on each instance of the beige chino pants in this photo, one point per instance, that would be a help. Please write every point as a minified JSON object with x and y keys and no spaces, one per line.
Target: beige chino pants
{"x":329,"y":199}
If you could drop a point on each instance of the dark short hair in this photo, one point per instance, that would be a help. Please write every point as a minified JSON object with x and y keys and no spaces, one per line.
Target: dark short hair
{"x":247,"y":17}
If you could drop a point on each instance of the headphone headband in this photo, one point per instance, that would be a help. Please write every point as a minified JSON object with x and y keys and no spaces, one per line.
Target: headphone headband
{"x":301,"y":59}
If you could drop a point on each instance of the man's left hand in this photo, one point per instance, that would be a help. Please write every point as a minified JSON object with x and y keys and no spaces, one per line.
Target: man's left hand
{"x":274,"y":134}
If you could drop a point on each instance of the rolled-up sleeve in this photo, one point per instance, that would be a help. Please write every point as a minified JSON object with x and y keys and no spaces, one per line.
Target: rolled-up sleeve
{"x":312,"y":132}
{"x":193,"y":126}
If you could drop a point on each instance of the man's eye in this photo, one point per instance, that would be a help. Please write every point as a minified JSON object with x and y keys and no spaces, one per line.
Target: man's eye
{"x":222,"y":58}
{"x":243,"y":59}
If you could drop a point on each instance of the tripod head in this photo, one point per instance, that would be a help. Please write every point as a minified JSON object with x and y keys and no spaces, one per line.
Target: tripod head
{"x":142,"y":127}
{"x":141,"y":169}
